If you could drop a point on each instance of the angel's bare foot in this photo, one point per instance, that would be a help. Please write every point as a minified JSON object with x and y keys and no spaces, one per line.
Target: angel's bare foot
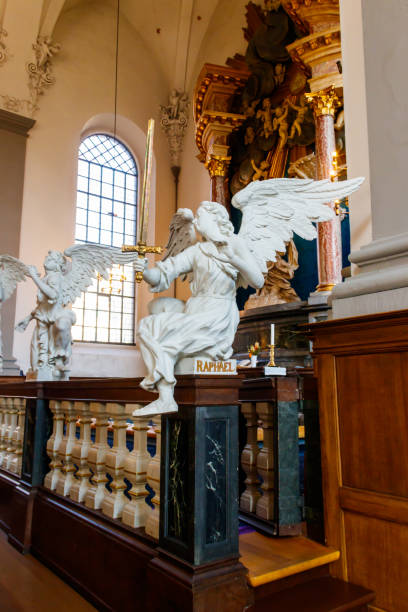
{"x":156,"y":407}
{"x":164,"y":403}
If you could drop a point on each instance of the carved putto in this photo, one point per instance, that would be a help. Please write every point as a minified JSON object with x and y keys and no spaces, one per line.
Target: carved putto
{"x":40,"y":72}
{"x":174,"y":120}
{"x":66,"y":276}
{"x":217,"y":262}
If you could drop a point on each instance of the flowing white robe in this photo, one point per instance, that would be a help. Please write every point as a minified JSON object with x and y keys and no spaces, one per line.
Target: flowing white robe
{"x":209,"y":321}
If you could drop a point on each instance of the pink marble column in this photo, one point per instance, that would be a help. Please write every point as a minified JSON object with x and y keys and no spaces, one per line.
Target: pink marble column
{"x":329,"y":253}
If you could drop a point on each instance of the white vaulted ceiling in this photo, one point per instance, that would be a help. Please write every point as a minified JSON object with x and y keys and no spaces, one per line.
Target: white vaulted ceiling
{"x":173,"y":31}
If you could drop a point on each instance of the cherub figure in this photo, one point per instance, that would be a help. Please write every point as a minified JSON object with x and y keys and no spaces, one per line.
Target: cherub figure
{"x":266,"y":117}
{"x":63,"y":281}
{"x":216,"y":263}
{"x":249,"y":135}
{"x":300,"y":117}
{"x":261,"y":172}
{"x":280,"y":123}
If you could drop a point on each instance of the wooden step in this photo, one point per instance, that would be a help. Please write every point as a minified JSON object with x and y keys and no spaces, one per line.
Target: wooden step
{"x":272,"y":559}
{"x":320,"y":595}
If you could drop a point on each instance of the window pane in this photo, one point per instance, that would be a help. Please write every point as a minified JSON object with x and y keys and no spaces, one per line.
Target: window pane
{"x":93,"y":219}
{"x":103,"y":303}
{"x":120,"y":179}
{"x":81,"y":216}
{"x":89,"y":334}
{"x":130,"y":181}
{"x":130,"y":212}
{"x":102,"y":334}
{"x":82,"y":183}
{"x":127,"y":336}
{"x":103,"y":319}
{"x":118,"y":225}
{"x":107,"y":177}
{"x":92,"y":235}
{"x":94,"y":186}
{"x":95,"y":172}
{"x":94,"y":203}
{"x":107,"y":190}
{"x":82,"y":199}
{"x":82,"y":168}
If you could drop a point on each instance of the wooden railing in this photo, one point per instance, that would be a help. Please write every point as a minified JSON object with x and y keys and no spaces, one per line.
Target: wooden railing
{"x":12,"y":423}
{"x":270,"y":499}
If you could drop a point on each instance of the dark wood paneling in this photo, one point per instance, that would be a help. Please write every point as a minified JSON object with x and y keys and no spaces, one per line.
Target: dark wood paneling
{"x":373,"y":420}
{"x":377,"y":558}
{"x":362,"y":367}
{"x":86,"y":548}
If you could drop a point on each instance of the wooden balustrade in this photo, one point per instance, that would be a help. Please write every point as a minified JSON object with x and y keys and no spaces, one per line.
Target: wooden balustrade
{"x":270,"y":500}
{"x":66,"y":476}
{"x":153,"y":480}
{"x":80,"y":452}
{"x":135,"y":471}
{"x":12,"y":422}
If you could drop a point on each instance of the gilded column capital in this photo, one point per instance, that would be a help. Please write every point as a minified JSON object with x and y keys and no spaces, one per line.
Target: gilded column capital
{"x":217,"y":165}
{"x":324,"y":102}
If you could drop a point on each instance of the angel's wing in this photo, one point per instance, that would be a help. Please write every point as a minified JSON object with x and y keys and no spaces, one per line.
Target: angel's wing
{"x":12,"y":271}
{"x":182,"y":232}
{"x":89,"y":260}
{"x":275,"y":209}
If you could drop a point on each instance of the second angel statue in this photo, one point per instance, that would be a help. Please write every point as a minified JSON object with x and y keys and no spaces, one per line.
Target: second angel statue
{"x":216,"y":265}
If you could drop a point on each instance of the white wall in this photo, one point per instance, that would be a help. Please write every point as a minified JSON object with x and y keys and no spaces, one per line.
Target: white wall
{"x":84,"y":91}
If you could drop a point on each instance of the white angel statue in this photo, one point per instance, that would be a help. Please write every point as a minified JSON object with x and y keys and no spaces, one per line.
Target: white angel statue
{"x":62,"y":283}
{"x":272,"y":211}
{"x":12,"y":271}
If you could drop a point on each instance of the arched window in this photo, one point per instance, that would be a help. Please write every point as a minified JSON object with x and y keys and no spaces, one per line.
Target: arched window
{"x":106,"y":214}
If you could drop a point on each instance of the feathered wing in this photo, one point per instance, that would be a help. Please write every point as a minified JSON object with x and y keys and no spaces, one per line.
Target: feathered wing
{"x":182,"y":233}
{"x":87,"y":261}
{"x":275,"y":209}
{"x":12,"y":271}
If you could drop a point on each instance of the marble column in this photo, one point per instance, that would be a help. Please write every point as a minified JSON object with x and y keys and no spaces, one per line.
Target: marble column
{"x":329,"y":253}
{"x":375,"y":47}
{"x":13,"y":137}
{"x":218,"y":168}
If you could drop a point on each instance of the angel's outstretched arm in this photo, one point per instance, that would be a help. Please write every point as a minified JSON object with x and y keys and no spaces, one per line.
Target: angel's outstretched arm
{"x":46,"y":289}
{"x":165,"y":272}
{"x":150,"y":275}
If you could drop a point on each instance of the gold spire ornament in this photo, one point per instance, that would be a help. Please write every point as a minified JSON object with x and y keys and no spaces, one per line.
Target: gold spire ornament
{"x":141,"y":247}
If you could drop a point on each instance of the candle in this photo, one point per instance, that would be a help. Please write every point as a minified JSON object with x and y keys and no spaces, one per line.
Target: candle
{"x":272,"y":334}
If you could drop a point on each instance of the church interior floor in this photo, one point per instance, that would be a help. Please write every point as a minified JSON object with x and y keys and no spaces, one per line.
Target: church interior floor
{"x":27,"y":586}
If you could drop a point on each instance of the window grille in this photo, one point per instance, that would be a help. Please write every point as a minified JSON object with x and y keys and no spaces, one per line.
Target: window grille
{"x":106,"y":214}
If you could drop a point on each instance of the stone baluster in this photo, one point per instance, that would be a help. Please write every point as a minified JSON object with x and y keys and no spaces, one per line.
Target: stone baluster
{"x":114,"y":502}
{"x":136,"y":464}
{"x":265,"y":463}
{"x":96,"y":457}
{"x":251,"y":495}
{"x":153,"y":479}
{"x":66,"y":478}
{"x":80,"y":452}
{"x":3,"y":429}
{"x":18,"y":436}
{"x":12,"y":424}
{"x":53,"y":445}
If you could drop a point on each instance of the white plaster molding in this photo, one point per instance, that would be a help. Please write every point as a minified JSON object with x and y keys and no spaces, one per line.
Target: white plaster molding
{"x":4,"y":52}
{"x":41,"y":71}
{"x":174,"y":121}
{"x":15,"y":105}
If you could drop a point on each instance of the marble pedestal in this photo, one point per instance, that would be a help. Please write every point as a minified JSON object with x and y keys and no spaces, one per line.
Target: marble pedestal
{"x":199,"y":509}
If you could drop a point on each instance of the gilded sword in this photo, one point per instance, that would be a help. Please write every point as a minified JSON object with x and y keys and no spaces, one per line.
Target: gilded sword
{"x":141,"y":247}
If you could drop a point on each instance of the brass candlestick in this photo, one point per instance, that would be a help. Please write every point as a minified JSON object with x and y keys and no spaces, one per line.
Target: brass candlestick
{"x":271,"y":363}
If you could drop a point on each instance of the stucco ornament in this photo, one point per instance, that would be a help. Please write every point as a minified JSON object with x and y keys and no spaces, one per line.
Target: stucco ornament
{"x":66,"y":276}
{"x":12,"y":271}
{"x":174,"y":120}
{"x":216,"y":262}
{"x":41,"y":71}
